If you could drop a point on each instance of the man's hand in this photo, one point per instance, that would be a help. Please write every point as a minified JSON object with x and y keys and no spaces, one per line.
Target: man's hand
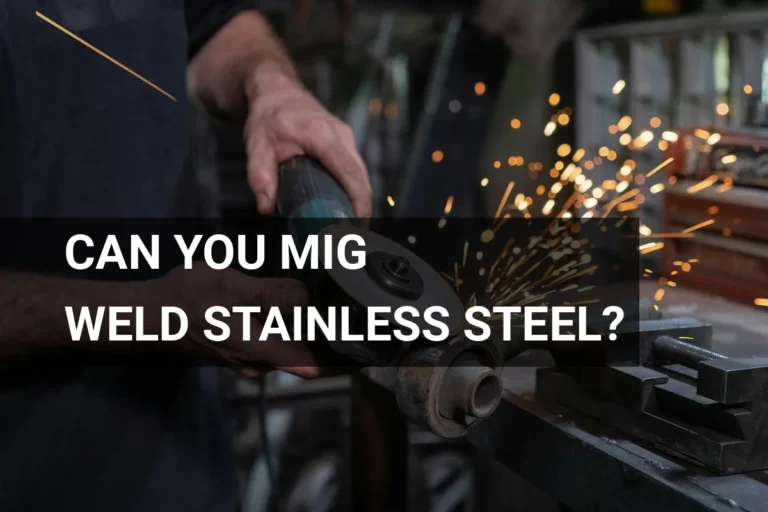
{"x":245,"y":68}
{"x":33,"y":320}
{"x":201,"y":287}
{"x":284,"y":120}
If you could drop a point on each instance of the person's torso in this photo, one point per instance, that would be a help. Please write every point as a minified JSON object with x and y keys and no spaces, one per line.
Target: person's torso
{"x":82,"y":137}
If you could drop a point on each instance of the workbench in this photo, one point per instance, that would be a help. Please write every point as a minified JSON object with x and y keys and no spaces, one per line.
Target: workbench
{"x":591,"y":466}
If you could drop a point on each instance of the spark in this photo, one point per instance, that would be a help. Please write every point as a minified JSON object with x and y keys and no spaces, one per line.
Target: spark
{"x":618,"y":86}
{"x":457,"y":281}
{"x":722,"y":109}
{"x":567,"y":172}
{"x":669,"y":136}
{"x":437,"y":156}
{"x":611,"y":205}
{"x":582,"y":302}
{"x":659,"y":167}
{"x":747,"y":89}
{"x":624,"y":123}
{"x":659,"y":294}
{"x":441,"y":223}
{"x":448,"y":205}
{"x":706,"y":182}
{"x":504,"y":198}
{"x":554,"y":99}
{"x":662,"y":235}
{"x":701,"y":133}
{"x":727,"y":185}
{"x":699,"y":226}
{"x":515,"y":124}
{"x":391,"y":201}
{"x":479,"y":88}
{"x":713,"y":139}
{"x":579,"y":154}
{"x":655,"y":122}
{"x":483,"y":182}
{"x":627,"y":206}
{"x":563,"y":150}
{"x":761,"y":302}
{"x":655,"y":189}
{"x":729,"y":159}
{"x":549,"y":129}
{"x":102,"y":54}
{"x":650,"y":247}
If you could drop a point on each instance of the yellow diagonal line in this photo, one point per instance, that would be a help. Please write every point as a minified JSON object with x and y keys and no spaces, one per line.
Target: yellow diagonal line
{"x":110,"y":59}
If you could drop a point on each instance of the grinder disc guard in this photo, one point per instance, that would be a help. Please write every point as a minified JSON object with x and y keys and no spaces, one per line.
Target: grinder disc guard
{"x":392,"y":277}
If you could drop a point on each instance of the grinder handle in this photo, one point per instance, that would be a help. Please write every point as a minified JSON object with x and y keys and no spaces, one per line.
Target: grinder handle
{"x":306,"y":190}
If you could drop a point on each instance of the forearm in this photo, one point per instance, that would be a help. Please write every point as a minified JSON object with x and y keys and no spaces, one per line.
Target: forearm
{"x":32,"y":309}
{"x":242,"y":59}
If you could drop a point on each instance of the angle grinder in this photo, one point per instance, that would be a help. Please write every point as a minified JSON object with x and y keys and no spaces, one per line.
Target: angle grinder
{"x":446,"y":386}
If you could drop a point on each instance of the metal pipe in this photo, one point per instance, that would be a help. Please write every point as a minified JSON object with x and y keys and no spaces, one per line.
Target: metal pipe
{"x":680,"y":352}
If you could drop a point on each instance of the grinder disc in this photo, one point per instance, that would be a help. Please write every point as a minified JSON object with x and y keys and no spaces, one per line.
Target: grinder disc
{"x":393,"y":277}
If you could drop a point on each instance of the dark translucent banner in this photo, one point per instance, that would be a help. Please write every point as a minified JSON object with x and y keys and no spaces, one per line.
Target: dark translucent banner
{"x":334,"y":294}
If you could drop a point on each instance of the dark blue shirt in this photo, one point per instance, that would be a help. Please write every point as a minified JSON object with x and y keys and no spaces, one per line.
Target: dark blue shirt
{"x":83,"y":138}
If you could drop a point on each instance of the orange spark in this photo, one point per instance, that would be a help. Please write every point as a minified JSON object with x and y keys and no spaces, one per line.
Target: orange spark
{"x":110,"y":59}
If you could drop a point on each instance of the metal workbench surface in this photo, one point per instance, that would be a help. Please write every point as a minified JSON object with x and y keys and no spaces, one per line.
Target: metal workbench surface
{"x":589,"y":466}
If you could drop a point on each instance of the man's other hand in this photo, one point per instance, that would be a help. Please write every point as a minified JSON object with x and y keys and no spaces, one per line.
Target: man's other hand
{"x":197,"y":289}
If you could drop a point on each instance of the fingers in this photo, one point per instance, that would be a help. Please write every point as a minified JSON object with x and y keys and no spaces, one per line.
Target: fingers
{"x":245,"y":290}
{"x":291,"y":356}
{"x":333,"y":144}
{"x":293,"y":123}
{"x":262,"y":168}
{"x":306,"y":372}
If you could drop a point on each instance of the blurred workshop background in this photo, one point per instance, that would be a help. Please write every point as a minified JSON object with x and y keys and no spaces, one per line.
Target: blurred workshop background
{"x":655,"y":109}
